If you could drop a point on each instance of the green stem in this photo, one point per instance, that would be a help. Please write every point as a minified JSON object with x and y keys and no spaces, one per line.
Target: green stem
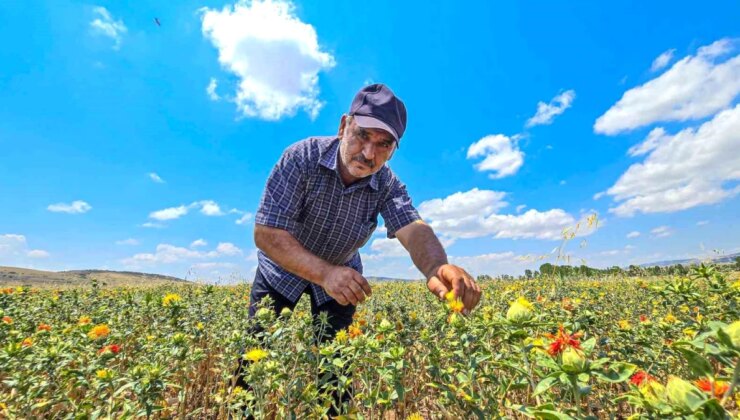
{"x":576,"y":393}
{"x":735,"y":377}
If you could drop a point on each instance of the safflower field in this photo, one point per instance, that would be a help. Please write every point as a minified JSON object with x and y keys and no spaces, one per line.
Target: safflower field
{"x":550,"y":347}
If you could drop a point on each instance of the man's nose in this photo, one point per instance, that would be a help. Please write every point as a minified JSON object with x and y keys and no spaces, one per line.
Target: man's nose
{"x":368,"y":151}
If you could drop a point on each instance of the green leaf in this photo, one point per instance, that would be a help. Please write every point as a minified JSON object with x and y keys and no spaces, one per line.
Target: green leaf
{"x":551,"y":415}
{"x":617,"y":372}
{"x":588,"y":345}
{"x":698,"y":364}
{"x":544,"y":385}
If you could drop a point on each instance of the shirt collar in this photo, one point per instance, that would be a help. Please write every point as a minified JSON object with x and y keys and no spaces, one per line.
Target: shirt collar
{"x":329,"y":156}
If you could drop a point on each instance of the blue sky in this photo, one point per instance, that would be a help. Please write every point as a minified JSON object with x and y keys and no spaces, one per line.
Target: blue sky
{"x":129,"y":145}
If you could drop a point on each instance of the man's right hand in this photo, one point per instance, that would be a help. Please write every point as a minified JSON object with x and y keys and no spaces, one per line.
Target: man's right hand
{"x":346,"y":285}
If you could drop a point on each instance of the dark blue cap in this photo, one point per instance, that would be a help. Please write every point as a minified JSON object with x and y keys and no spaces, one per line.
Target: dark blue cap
{"x":376,"y":106}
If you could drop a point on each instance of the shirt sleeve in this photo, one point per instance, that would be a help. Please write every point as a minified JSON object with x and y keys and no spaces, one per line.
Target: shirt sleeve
{"x":397,"y":210}
{"x":285,"y":190}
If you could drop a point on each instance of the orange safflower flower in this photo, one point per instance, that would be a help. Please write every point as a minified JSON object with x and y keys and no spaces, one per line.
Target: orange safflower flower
{"x":717,"y":389}
{"x":99,"y":331}
{"x":27,"y":342}
{"x":641,"y":377}
{"x":7,"y":320}
{"x":113,"y":348}
{"x":354,"y":331}
{"x":43,"y":327}
{"x":84,"y":320}
{"x":563,"y":340}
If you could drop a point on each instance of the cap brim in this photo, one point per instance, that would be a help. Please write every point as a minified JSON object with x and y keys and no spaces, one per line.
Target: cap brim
{"x":370,"y":122}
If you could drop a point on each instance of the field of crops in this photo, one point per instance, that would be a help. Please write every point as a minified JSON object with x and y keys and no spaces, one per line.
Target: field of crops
{"x":544,"y":348}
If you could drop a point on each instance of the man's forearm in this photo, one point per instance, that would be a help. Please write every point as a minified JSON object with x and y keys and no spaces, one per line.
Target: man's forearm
{"x":284,"y":249}
{"x":425,"y":250}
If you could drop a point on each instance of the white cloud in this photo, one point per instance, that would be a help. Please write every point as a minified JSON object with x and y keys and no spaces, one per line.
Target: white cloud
{"x":633,"y":234}
{"x":211,"y":90}
{"x":682,"y":171}
{"x":227,"y":248}
{"x":38,"y":253}
{"x":473,"y":214}
{"x":244,"y":219}
{"x":520,"y":207}
{"x":14,"y":250}
{"x":662,"y":60}
{"x":388,"y":248}
{"x":170,"y":254}
{"x":694,"y":87}
{"x":129,"y":241}
{"x":655,"y":138}
{"x":105,"y":25}
{"x":275,"y":56}
{"x":76,"y":207}
{"x":702,"y":222}
{"x":502,"y":155}
{"x":156,"y":178}
{"x":546,"y":112}
{"x":152,"y":225}
{"x":198,"y":242}
{"x":210,"y":208}
{"x":170,"y":213}
{"x":661,"y":232}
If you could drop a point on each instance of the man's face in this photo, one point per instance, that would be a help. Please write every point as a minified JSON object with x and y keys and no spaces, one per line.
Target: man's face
{"x":364,"y":151}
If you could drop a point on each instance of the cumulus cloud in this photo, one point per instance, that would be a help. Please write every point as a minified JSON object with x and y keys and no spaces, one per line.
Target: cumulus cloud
{"x":152,"y":225}
{"x":38,"y":253}
{"x":689,"y":169}
{"x":662,"y":60}
{"x":547,"y":112}
{"x":244,"y":219}
{"x":207,"y":208}
{"x":633,"y":234}
{"x":14,"y":250}
{"x":501,"y":155}
{"x":105,"y":25}
{"x":198,"y":242}
{"x":170,"y":254}
{"x":694,"y":87}
{"x":156,"y":178}
{"x":275,"y":56}
{"x":169,"y":213}
{"x":474,"y":214}
{"x":129,"y":241}
{"x":75,"y":207}
{"x":211,"y":90}
{"x":661,"y":232}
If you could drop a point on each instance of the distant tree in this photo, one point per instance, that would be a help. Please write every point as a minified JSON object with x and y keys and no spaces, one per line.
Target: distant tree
{"x":547,"y":269}
{"x":528,"y":274}
{"x":737,"y":263}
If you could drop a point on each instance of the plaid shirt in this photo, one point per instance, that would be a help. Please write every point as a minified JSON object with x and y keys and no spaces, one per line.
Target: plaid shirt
{"x":305,"y":196}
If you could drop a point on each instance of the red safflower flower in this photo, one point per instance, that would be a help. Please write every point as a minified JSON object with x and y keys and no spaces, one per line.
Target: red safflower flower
{"x":717,"y":389}
{"x":643,"y":318}
{"x":641,"y":378}
{"x":113,"y":348}
{"x":563,"y":340}
{"x":44,"y":327}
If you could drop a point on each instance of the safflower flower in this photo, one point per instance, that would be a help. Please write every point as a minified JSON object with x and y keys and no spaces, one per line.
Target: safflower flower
{"x":563,"y":340}
{"x":171,"y":298}
{"x":717,"y":389}
{"x":7,"y":320}
{"x":255,"y":355}
{"x":641,"y":378}
{"x":43,"y":327}
{"x":27,"y":342}
{"x":112,"y":348}
{"x":84,"y":320}
{"x":99,"y":331}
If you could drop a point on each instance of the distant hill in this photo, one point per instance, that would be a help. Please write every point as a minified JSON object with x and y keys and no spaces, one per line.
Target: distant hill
{"x":730,"y":258}
{"x":15,"y":276}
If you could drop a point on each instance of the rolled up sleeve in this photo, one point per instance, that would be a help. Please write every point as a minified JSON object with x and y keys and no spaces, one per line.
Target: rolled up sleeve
{"x":397,"y":210}
{"x":282,"y":199}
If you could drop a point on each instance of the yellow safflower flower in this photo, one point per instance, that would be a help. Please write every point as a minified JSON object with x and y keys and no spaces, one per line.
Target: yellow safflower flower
{"x":170,"y":298}
{"x":255,"y":355}
{"x":99,"y":331}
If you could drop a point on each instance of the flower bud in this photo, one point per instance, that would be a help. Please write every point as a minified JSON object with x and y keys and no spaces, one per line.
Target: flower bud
{"x":682,"y":394}
{"x":520,"y":311}
{"x":733,"y":330}
{"x":264,"y":314}
{"x":573,"y":361}
{"x":285,"y":313}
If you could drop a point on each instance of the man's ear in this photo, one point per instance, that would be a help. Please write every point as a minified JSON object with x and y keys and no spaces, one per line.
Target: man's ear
{"x":342,"y":126}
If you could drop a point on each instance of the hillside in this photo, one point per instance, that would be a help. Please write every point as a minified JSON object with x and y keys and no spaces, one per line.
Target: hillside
{"x":15,"y":276}
{"x":721,"y":259}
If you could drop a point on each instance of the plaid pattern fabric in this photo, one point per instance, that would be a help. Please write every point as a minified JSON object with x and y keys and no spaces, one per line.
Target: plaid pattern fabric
{"x":305,"y":196}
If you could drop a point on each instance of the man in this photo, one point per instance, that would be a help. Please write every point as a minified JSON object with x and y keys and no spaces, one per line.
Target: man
{"x":321,"y":204}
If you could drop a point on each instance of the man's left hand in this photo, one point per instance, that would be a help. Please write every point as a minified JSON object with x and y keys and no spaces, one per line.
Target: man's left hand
{"x":453,"y":278}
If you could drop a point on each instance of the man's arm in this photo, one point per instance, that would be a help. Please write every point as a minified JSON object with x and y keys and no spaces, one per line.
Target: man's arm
{"x":431,"y":259}
{"x":342,"y":283}
{"x":424,"y":248}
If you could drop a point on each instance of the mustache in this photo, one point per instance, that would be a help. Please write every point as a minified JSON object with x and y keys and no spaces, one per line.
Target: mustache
{"x":364,"y":161}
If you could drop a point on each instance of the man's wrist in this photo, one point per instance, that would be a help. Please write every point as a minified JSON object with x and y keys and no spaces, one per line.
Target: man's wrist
{"x":434,"y":271}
